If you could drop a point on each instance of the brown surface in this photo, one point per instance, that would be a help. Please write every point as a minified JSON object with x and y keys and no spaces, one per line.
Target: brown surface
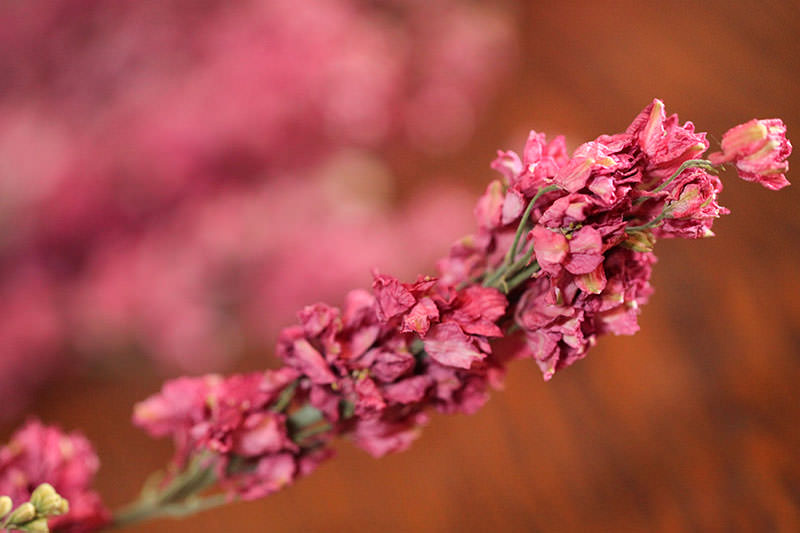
{"x":691,"y":425}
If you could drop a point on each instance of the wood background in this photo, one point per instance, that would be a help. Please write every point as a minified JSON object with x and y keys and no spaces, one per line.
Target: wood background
{"x":691,"y":425}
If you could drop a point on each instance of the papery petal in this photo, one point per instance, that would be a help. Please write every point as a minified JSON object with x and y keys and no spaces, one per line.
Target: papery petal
{"x":447,"y":344}
{"x":513,"y":206}
{"x":508,"y":164}
{"x":489,"y":210}
{"x":550,"y":247}
{"x":393,"y":297}
{"x":409,"y":390}
{"x":311,"y":363}
{"x":593,"y":282}
{"x":420,"y":316}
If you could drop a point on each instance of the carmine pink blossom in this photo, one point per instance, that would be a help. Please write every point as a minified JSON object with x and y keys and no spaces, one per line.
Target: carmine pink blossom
{"x":760,"y":150}
{"x":39,"y":454}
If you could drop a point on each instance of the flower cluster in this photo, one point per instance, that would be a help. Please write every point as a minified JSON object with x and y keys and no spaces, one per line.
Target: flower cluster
{"x":38,"y":454}
{"x":233,"y":419}
{"x":594,"y":218}
{"x":563,"y":254}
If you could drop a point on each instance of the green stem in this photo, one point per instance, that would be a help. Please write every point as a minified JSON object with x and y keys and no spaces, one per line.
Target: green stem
{"x":285,"y":397}
{"x":150,"y":510}
{"x":300,"y":436}
{"x":691,"y":163}
{"x":512,"y":252}
{"x":176,"y":497}
{"x":508,"y":265}
{"x":522,"y":277}
{"x":664,"y":214}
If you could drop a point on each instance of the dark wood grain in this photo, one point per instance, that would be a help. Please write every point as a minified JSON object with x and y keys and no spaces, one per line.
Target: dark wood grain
{"x":691,"y":425}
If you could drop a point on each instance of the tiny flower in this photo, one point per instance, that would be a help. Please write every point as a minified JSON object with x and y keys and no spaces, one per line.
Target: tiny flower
{"x":508,"y":164}
{"x":759,"y":149}
{"x":420,"y":316}
{"x":585,"y":251}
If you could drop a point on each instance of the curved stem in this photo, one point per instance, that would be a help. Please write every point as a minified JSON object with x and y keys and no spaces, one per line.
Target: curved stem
{"x":654,"y":222}
{"x":177,"y":496}
{"x":522,"y":277}
{"x":505,"y":266}
{"x":691,"y":163}
{"x":512,"y":252}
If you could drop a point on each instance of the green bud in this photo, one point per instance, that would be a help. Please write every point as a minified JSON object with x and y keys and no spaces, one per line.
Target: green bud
{"x":22,"y":514}
{"x":5,"y":505}
{"x":37,"y":526}
{"x":47,"y":501}
{"x":63,"y":507}
{"x":640,"y":241}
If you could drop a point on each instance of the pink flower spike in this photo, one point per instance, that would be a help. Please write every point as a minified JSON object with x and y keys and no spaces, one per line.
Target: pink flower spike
{"x":759,"y":149}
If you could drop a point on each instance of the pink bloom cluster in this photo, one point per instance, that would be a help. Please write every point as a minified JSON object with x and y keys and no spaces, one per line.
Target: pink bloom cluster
{"x":563,"y":254}
{"x":39,"y":454}
{"x":593,"y":228}
{"x":369,"y":373}
{"x":145,"y":147}
{"x":232,"y":418}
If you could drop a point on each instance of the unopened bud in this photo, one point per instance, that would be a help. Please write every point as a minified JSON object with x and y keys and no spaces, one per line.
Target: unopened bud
{"x":640,"y":241}
{"x":22,"y":514}
{"x":5,"y":505}
{"x":37,"y":526}
{"x":63,"y":507}
{"x":47,"y":501}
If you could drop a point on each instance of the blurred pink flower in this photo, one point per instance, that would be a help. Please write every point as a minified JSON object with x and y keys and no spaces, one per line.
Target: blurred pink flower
{"x":165,"y":164}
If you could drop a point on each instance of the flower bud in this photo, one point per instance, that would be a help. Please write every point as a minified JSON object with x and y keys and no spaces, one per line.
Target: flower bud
{"x":640,"y":241}
{"x":37,"y":526}
{"x":5,"y":505}
{"x":22,"y":514}
{"x":47,"y":501}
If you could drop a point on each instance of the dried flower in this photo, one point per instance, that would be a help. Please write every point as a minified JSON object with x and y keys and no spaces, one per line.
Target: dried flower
{"x":759,"y":149}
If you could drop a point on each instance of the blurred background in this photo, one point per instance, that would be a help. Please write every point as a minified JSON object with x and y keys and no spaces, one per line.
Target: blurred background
{"x":178,"y":178}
